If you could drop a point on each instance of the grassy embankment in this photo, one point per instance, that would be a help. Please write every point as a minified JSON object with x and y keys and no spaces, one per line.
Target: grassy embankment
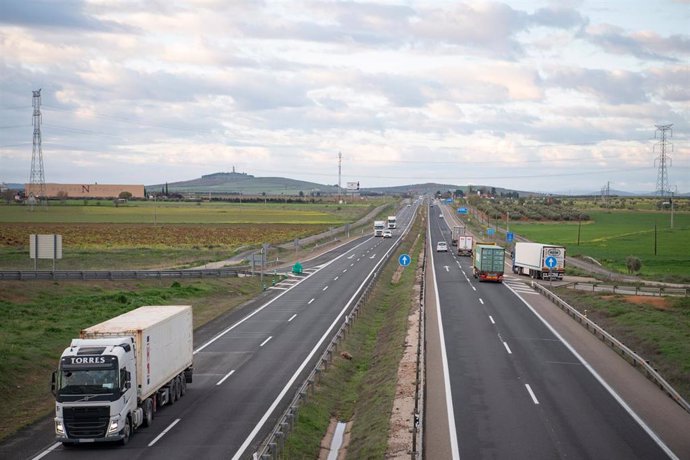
{"x":363,"y":389}
{"x":612,"y":236}
{"x":185,"y":234}
{"x":658,"y":329}
{"x":39,"y":318}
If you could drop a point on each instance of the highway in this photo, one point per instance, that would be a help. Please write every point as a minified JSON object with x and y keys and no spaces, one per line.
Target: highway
{"x":515,"y":389}
{"x":250,"y":363}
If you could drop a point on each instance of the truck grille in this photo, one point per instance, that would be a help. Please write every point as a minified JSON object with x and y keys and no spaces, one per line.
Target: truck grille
{"x":86,"y":422}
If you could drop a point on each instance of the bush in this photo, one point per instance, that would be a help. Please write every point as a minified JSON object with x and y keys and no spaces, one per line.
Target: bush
{"x":633,"y":263}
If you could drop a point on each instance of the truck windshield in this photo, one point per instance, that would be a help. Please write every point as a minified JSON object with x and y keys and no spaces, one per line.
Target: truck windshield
{"x":88,"y":381}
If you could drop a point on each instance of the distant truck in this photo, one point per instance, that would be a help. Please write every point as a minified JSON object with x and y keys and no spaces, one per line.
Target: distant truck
{"x":112,"y":379}
{"x":488,"y":262}
{"x":379,"y":227}
{"x":531,"y":259}
{"x":465,"y":244}
{"x":455,"y":232}
{"x":392,"y":222}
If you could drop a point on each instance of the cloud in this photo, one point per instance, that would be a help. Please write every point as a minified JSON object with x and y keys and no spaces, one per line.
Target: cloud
{"x":68,"y":14}
{"x":641,"y":44}
{"x":613,"y":87}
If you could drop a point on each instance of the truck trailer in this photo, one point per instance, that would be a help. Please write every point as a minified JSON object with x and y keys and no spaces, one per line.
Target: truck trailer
{"x":392,"y":222}
{"x":465,"y":244}
{"x":456,"y":231}
{"x":112,"y":379}
{"x":488,"y":262}
{"x":379,"y":227}
{"x":531,"y":259}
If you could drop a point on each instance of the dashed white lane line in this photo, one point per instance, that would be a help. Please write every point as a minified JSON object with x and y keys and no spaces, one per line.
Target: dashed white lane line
{"x":352,"y":265}
{"x":309,"y":303}
{"x":266,"y":341}
{"x":335,"y":279}
{"x":481,"y":301}
{"x":473,"y":288}
{"x":491,"y":318}
{"x":164,"y":432}
{"x":531,"y":393}
{"x":325,"y":287}
{"x":344,"y":270}
{"x":226,"y":377}
{"x":507,"y":348}
{"x":292,"y":317}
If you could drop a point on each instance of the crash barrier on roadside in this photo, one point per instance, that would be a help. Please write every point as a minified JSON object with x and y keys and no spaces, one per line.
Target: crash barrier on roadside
{"x":631,"y":289}
{"x":274,"y":443}
{"x":630,"y":356}
{"x":418,"y":419}
{"x":83,"y":275}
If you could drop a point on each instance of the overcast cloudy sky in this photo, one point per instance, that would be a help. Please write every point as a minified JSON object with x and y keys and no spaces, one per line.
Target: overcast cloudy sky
{"x":548,"y":96}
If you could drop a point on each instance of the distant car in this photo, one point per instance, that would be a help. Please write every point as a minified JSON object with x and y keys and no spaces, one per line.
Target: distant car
{"x":387,"y":234}
{"x":441,"y":246}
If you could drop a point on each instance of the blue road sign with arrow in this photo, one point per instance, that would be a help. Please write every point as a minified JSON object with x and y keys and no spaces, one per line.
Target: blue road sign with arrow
{"x":551,"y":262}
{"x":462,"y":210}
{"x":509,"y":237}
{"x":404,"y":260}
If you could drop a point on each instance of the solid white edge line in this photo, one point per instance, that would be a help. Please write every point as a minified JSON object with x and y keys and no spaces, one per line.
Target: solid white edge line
{"x":491,"y":318}
{"x":47,"y":451}
{"x":309,"y":303}
{"x":507,"y":348}
{"x":266,"y":341}
{"x":157,"y":438}
{"x":288,"y":385}
{"x":596,"y":375}
{"x":292,"y":317}
{"x":226,"y":377}
{"x":444,"y":358}
{"x":221,"y":334}
{"x":531,"y":393}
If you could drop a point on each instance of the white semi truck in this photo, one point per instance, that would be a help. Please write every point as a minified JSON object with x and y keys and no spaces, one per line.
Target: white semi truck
{"x":531,"y":259}
{"x":379,"y":227}
{"x":112,"y":379}
{"x":465,"y":244}
{"x":455,"y":233}
{"x":391,"y":222}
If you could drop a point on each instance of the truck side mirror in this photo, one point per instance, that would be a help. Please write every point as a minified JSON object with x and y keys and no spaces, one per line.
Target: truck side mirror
{"x":128,"y":380}
{"x":53,"y":384}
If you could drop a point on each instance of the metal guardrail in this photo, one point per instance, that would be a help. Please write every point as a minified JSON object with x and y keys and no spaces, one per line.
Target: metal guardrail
{"x":274,"y":443}
{"x":420,"y":389}
{"x":629,"y":355}
{"x":25,"y":275}
{"x":629,"y":289}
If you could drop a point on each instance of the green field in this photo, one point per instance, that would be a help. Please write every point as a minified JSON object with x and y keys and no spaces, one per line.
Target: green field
{"x":611,"y":236}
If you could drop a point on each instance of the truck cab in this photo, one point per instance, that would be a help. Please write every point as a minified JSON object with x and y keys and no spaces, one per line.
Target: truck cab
{"x":95,"y":399}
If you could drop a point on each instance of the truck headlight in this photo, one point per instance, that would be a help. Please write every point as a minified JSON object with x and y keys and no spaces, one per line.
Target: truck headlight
{"x":59,"y":428}
{"x":114,"y":426}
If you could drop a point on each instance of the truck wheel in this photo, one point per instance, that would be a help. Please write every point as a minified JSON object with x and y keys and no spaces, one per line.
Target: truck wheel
{"x":172,"y":391}
{"x":178,"y":387}
{"x":183,"y":385}
{"x":148,"y":412}
{"x":127,"y":432}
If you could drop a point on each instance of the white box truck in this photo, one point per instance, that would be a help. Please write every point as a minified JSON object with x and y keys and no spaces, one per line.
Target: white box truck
{"x":531,"y":259}
{"x":112,"y":379}
{"x":465,"y":245}
{"x":392,"y":222}
{"x":379,"y":227}
{"x":457,"y":231}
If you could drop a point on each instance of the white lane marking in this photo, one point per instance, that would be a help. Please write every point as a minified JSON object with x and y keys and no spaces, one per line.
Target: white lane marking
{"x":481,"y":301}
{"x":446,"y":267}
{"x":473,"y":288}
{"x":164,"y":432}
{"x":226,"y":377}
{"x":335,"y":279}
{"x":221,"y":334}
{"x":491,"y":318}
{"x":266,"y":341}
{"x":325,"y":287}
{"x":603,"y":383}
{"x":455,"y":451}
{"x":344,"y":270}
{"x":47,"y":451}
{"x":507,"y":348}
{"x":359,"y":259}
{"x":288,"y":385}
{"x":292,"y":317}
{"x":352,"y":265}
{"x":531,"y":393}
{"x":372,"y":256}
{"x":309,"y":303}
{"x":349,"y":258}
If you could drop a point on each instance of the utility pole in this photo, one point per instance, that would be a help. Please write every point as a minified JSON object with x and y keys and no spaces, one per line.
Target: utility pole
{"x":663,"y":147}
{"x":340,"y":165}
{"x":37,"y":181}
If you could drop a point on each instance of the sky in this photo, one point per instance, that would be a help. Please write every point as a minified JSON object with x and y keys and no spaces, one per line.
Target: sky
{"x":541,"y":96}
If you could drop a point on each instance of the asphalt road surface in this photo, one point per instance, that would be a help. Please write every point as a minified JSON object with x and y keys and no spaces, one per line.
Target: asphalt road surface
{"x":515,"y":389}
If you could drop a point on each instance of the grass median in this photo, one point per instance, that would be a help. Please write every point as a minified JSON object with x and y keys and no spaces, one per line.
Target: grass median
{"x":362,"y":389}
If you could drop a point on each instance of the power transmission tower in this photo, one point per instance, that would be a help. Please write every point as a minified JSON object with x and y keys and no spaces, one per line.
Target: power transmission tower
{"x":605,"y":193}
{"x":664,"y":148}
{"x":37,"y":181}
